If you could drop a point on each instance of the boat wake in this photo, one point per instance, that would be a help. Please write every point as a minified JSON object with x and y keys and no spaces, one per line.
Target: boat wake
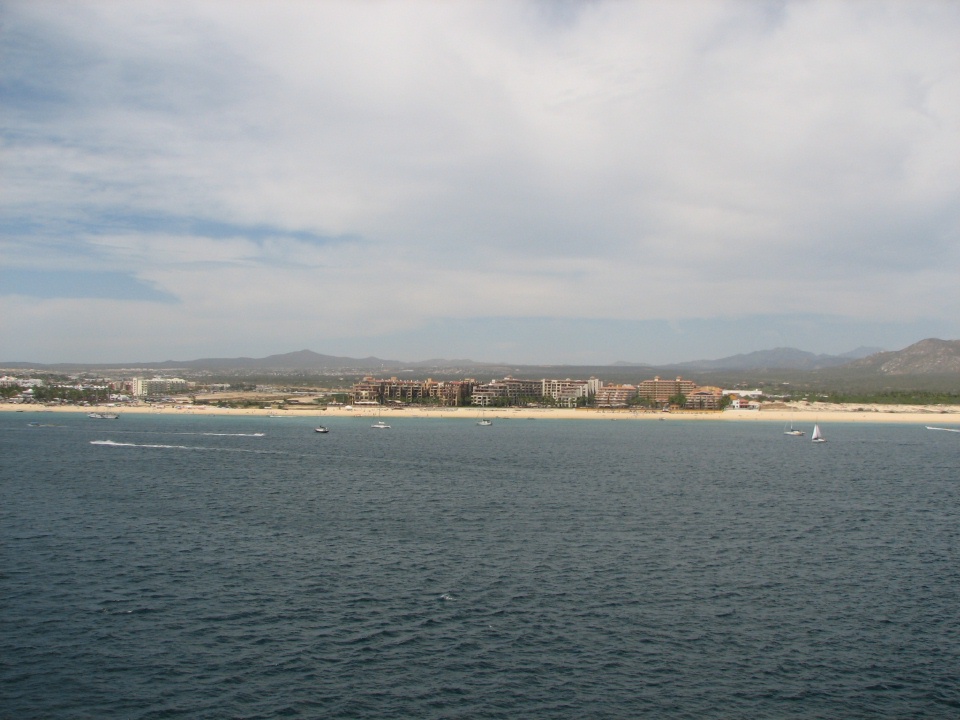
{"x":114,"y":443}
{"x":197,"y":434}
{"x":213,"y":434}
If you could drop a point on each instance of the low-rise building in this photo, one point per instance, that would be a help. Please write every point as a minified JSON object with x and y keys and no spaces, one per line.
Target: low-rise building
{"x":140,"y":387}
{"x":615,"y":395}
{"x":451,"y":393}
{"x":509,"y":391}
{"x":660,"y":391}
{"x":393,"y":390}
{"x":567,"y":393}
{"x":704,"y":398}
{"x":389,"y":390}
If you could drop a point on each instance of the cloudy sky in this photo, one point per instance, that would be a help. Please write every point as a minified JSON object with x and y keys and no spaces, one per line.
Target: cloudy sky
{"x":555,"y":182}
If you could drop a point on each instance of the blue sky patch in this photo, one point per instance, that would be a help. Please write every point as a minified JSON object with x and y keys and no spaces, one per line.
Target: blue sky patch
{"x":79,"y":284}
{"x":14,"y":225}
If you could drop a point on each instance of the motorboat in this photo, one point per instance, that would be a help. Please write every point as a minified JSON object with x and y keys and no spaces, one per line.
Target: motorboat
{"x":321,"y":429}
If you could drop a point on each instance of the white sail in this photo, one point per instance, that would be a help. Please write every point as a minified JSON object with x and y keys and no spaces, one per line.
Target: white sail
{"x":817,"y":435}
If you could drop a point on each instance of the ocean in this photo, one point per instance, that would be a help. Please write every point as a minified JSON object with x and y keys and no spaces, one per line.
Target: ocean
{"x":162,"y":566}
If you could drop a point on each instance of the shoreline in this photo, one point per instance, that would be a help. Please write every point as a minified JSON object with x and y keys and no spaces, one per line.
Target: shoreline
{"x":798,"y":413}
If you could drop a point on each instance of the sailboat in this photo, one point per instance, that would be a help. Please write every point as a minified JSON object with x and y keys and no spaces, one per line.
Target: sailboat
{"x":817,"y":435}
{"x":380,"y":424}
{"x":481,"y":420}
{"x":791,"y":431}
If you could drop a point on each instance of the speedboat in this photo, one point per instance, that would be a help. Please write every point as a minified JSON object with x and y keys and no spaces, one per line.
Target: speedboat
{"x":102,"y":416}
{"x":321,"y":429}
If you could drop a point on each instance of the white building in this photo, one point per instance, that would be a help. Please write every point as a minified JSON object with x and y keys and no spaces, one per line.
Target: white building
{"x":139,"y":387}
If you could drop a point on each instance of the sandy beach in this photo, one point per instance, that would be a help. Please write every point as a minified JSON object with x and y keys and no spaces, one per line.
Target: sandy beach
{"x":938,"y":415}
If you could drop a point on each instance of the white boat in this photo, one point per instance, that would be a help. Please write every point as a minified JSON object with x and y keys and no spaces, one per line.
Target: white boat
{"x":102,"y":416}
{"x":791,"y":431}
{"x":930,"y":427}
{"x":484,"y":422}
{"x":321,"y":429}
{"x":817,"y":435}
{"x":380,"y":424}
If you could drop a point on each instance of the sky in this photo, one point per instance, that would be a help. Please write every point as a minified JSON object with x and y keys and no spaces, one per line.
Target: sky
{"x":504,"y":181}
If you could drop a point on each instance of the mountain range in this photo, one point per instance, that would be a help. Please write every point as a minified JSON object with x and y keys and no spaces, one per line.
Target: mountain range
{"x":927,"y":357}
{"x":778,"y":359}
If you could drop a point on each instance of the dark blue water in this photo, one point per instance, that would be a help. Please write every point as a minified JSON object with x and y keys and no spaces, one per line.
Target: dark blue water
{"x":533,"y":569}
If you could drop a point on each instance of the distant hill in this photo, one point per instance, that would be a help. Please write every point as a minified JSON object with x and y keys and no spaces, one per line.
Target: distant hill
{"x":776,"y":359}
{"x":927,"y":357}
{"x":299,"y":360}
{"x":861,"y":352}
{"x":931,"y":357}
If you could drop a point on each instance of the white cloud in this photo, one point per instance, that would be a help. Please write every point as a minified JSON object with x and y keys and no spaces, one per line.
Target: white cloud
{"x":631,"y":161}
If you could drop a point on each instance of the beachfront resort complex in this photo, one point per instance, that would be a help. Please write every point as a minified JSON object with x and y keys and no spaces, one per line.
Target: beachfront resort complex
{"x":508,"y":391}
{"x":560,"y":393}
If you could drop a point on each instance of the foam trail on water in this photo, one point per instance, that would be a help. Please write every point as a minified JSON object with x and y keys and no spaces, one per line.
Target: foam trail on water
{"x":114,"y":443}
{"x":209,"y":434}
{"x":227,"y":434}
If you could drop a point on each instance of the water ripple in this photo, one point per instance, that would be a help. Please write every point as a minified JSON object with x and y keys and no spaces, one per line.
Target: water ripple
{"x":556,"y":571}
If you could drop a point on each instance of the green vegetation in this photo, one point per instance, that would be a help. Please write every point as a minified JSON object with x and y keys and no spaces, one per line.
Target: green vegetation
{"x":9,"y":391}
{"x":894,"y":397}
{"x":56,"y":393}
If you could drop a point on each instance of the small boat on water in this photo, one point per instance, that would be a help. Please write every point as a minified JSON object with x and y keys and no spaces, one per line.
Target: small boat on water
{"x":380,"y":424}
{"x":791,"y":431}
{"x":484,"y":422}
{"x":956,"y":430}
{"x":817,"y":436}
{"x":321,"y":429}
{"x":102,"y":416}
